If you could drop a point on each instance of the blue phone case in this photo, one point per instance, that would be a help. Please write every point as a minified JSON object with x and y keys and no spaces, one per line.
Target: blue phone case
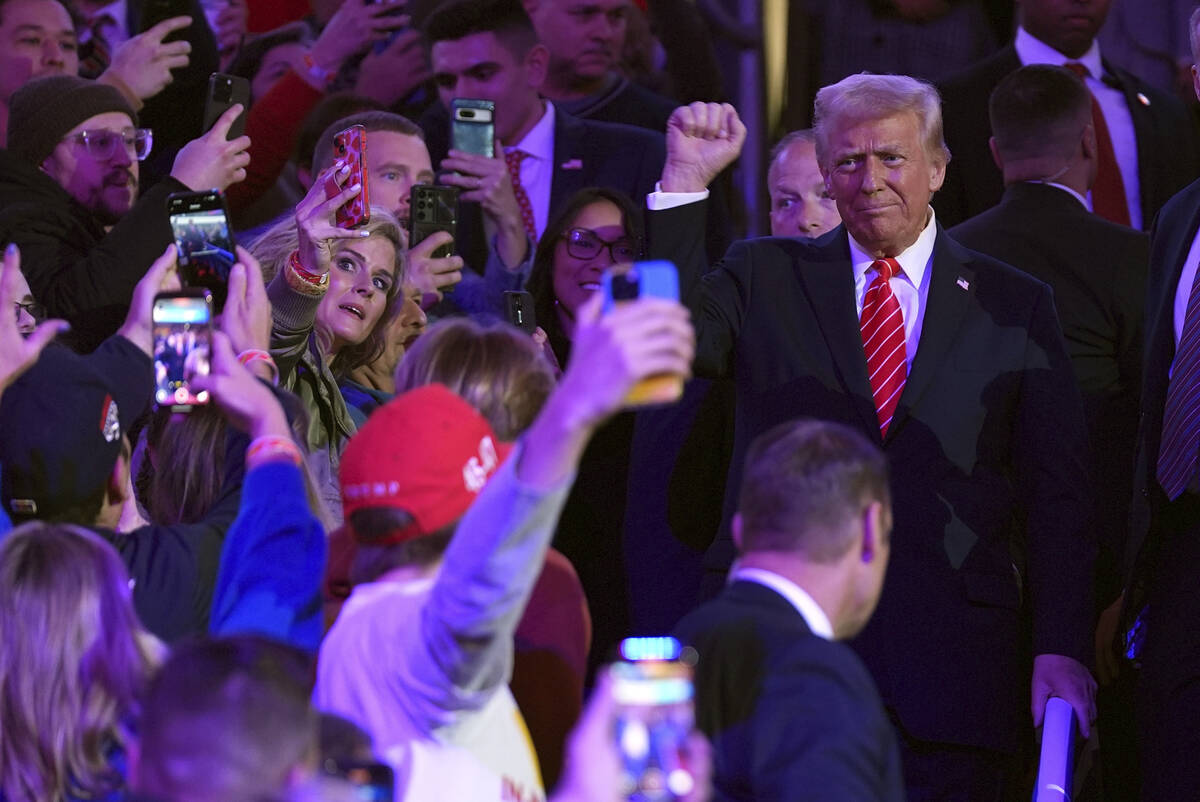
{"x":655,"y":279}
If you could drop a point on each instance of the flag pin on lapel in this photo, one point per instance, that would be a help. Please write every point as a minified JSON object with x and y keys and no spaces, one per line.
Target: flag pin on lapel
{"x":962,"y":282}
{"x":572,"y":164}
{"x":1145,"y":101}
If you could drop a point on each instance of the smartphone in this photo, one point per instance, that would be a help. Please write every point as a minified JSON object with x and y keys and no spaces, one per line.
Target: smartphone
{"x":350,"y":146}
{"x":372,"y":782}
{"x":155,"y":11}
{"x":518,"y":308}
{"x":200,"y":223}
{"x":432,"y":208}
{"x":627,"y":282}
{"x":652,"y":694}
{"x":223,"y":92}
{"x":182,"y":327}
{"x":472,"y":129}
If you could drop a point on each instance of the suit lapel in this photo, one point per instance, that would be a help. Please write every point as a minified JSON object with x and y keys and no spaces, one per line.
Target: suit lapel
{"x":565,"y":183}
{"x":944,"y":311}
{"x":829,"y":280}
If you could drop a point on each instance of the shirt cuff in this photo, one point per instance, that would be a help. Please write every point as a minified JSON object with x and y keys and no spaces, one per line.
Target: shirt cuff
{"x":659,"y":200}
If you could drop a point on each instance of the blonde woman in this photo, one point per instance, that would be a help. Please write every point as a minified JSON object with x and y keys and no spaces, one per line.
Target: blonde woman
{"x":74,"y":667}
{"x":332,"y":292}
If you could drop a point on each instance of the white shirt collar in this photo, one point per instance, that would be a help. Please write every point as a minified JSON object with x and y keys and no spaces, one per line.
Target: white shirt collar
{"x":1068,"y":190}
{"x":538,"y":143}
{"x":1031,"y":50}
{"x":808,"y":608}
{"x":913,"y":259}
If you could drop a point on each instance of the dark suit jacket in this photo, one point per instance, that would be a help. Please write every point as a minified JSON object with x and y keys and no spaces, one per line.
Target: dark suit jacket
{"x":1168,"y":144}
{"x":791,"y":716}
{"x":586,"y":154}
{"x":1098,"y":273}
{"x":987,"y":451}
{"x":1169,"y":245}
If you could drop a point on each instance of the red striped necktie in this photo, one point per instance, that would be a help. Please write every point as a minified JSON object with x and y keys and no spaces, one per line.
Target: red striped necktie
{"x":882,"y":326}
{"x":513,"y":159}
{"x":1181,"y":416}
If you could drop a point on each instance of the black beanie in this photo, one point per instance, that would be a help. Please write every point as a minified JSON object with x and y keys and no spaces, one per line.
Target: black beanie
{"x":42,"y":111}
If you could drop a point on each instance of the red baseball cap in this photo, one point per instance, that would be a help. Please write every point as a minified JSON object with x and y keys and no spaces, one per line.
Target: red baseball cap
{"x":427,"y":452}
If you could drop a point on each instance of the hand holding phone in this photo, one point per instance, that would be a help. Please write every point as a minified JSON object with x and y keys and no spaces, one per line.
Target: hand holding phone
{"x":627,"y":282}
{"x":200,"y":224}
{"x":182,"y":329}
{"x":350,"y":148}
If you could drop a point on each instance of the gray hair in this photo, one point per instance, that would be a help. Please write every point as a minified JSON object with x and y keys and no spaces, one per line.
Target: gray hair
{"x":862,"y":97}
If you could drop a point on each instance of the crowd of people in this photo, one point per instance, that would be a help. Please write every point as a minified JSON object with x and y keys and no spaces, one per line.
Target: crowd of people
{"x":355,"y":527}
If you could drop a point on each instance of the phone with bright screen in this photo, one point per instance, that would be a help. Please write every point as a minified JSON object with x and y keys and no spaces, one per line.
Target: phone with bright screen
{"x":625,"y":282}
{"x":182,"y":328}
{"x":200,"y":225}
{"x":652,"y":691}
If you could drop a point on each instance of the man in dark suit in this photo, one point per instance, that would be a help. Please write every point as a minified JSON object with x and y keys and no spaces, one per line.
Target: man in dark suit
{"x":972,"y":401}
{"x":487,"y":49}
{"x":1154,"y":141}
{"x":1165,"y":538}
{"x":1045,"y":144}
{"x":792,"y":713}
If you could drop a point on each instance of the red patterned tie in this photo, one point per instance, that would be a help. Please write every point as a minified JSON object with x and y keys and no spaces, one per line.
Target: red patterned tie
{"x":513,"y":159}
{"x":1108,"y":193}
{"x":1181,"y":416}
{"x":882,"y":326}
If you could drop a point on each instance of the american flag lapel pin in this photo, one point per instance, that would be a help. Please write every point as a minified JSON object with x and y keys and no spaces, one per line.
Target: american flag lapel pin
{"x":572,"y":164}
{"x":962,"y":282}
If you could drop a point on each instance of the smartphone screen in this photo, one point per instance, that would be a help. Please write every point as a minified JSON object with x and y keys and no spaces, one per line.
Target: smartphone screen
{"x":472,"y":128}
{"x":182,"y":323}
{"x":200,"y":225}
{"x":627,"y":282}
{"x":350,"y":147}
{"x":652,"y":692}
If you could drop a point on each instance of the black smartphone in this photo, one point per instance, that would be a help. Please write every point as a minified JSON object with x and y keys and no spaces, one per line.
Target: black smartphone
{"x":518,"y":308}
{"x":223,"y":92}
{"x":432,"y":208}
{"x":472,"y":128}
{"x":200,"y":223}
{"x":155,"y":11}
{"x":182,"y":328}
{"x":372,"y":782}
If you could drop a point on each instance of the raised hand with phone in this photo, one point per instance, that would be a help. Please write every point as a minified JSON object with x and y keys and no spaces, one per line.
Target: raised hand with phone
{"x":213,"y":161}
{"x":485,"y":180}
{"x":355,"y":26}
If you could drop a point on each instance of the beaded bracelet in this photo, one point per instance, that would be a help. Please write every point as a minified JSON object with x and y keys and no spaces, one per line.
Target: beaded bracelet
{"x":272,"y":448}
{"x":303,"y":281}
{"x":259,"y":355}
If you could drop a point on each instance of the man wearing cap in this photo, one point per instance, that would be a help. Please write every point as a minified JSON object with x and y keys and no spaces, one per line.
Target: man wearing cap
{"x":68,"y":197}
{"x":422,"y":650}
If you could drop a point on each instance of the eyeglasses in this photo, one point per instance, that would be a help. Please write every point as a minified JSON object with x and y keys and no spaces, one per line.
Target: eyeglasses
{"x":33,"y":309}
{"x":101,"y":145}
{"x":583,"y":243}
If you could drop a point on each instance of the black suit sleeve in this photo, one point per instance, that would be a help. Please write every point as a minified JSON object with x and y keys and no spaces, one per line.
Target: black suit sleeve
{"x":1050,"y":455}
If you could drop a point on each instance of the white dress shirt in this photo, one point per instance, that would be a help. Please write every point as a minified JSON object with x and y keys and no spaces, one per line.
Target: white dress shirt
{"x":1112,"y":102}
{"x":806,"y":605}
{"x":537,"y":168}
{"x":911,"y":287}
